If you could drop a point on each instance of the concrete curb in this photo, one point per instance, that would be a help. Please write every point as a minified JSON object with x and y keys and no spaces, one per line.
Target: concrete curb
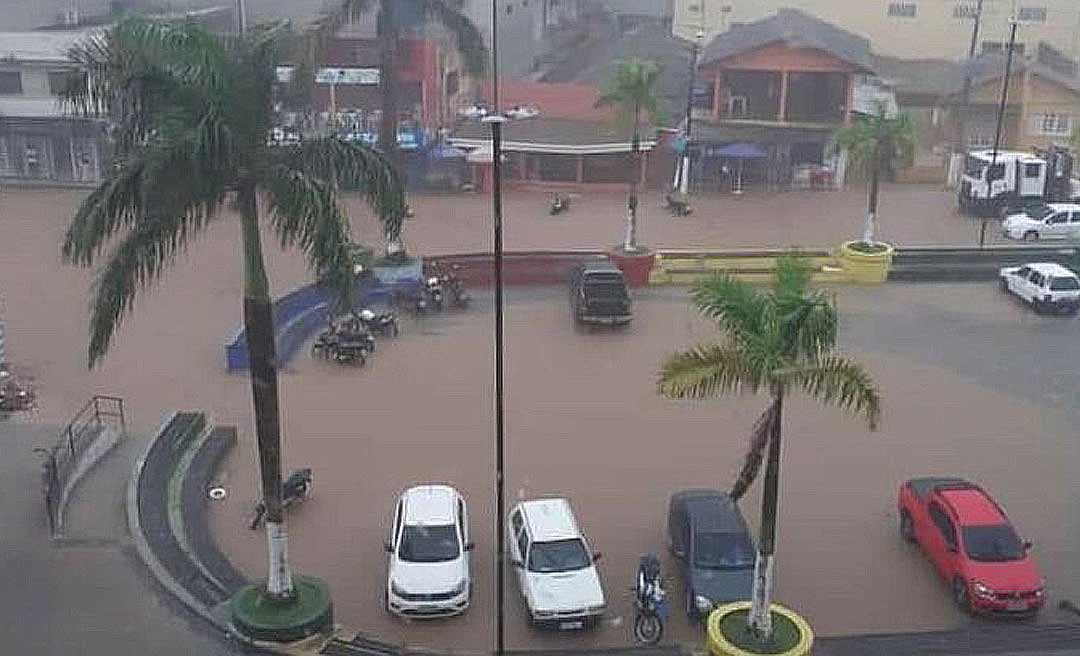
{"x":142,"y":546}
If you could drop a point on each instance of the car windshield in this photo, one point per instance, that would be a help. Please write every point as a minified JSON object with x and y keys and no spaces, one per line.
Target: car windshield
{"x":992,"y":544}
{"x":1040,"y":212}
{"x":429,"y":544}
{"x":1064,"y":284}
{"x":723,"y":551}
{"x":558,"y":556}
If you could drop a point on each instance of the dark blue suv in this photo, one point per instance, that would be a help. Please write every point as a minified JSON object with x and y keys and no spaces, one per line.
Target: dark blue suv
{"x":708,"y":536}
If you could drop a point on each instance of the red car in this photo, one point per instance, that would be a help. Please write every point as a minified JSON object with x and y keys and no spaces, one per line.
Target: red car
{"x":973,"y":546}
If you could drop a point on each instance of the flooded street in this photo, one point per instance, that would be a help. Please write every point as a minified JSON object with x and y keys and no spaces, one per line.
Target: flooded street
{"x":974,"y":385}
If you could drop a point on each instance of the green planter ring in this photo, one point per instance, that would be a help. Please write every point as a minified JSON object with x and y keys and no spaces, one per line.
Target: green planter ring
{"x":258,"y":617}
{"x":866,"y":266}
{"x":726,"y":626}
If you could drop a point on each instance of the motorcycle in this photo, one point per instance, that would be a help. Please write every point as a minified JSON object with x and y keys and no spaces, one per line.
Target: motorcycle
{"x":294,"y":489}
{"x":678,"y":204}
{"x":384,"y":323}
{"x":15,"y":395}
{"x":434,"y":289}
{"x":458,"y":295}
{"x":650,"y":601}
{"x":559,"y":204}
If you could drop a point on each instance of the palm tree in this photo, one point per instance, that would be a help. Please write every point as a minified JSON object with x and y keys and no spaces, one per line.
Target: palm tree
{"x":875,"y":143}
{"x":191,"y":112}
{"x":632,"y":91}
{"x":778,"y":341}
{"x":446,"y":13}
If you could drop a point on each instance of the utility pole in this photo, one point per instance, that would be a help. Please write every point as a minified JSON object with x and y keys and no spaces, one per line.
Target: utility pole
{"x":684,"y":170}
{"x":960,"y":143}
{"x":241,"y":17}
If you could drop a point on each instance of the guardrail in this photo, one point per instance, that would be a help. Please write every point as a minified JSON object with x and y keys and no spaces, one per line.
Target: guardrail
{"x":971,"y":264}
{"x":74,"y":453}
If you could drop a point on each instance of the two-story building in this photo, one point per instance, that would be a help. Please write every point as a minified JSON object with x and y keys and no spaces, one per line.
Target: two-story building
{"x":775,"y":91}
{"x":39,"y":140}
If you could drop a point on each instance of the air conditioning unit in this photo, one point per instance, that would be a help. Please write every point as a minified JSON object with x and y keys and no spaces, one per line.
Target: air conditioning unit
{"x":736,"y":106}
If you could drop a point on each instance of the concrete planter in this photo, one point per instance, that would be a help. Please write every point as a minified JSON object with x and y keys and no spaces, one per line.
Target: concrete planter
{"x":867,"y":268}
{"x":720,"y":644}
{"x":635,"y":266}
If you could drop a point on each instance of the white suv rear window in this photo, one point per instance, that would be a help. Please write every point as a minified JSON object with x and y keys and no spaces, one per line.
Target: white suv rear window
{"x":1064,"y":284}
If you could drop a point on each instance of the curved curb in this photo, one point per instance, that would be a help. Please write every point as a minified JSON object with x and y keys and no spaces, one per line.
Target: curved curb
{"x":142,"y":545}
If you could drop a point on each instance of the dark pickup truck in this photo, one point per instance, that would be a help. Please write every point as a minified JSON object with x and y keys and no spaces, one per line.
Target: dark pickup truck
{"x":598,"y":294}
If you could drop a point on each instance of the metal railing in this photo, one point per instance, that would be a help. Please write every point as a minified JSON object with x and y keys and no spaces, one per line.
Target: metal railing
{"x":61,"y":461}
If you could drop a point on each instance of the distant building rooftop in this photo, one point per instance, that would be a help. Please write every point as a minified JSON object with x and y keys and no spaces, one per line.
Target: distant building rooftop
{"x":41,"y":46}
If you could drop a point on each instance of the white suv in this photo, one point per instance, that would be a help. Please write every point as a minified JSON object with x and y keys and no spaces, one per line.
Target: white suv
{"x":428,"y":572}
{"x":1046,"y":285}
{"x":1053,"y":221}
{"x":555,"y":568}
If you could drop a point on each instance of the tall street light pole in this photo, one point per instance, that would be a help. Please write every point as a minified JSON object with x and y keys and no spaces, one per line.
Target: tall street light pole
{"x":496,"y":120}
{"x":684,"y":171}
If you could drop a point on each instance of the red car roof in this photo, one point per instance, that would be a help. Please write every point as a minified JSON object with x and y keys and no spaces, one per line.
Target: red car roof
{"x":973,"y":507}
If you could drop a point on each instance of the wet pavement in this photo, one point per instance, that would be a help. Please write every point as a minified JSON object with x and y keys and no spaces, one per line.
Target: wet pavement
{"x":975,"y":385}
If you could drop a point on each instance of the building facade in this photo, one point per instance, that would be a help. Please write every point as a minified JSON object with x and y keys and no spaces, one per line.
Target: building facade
{"x":524,"y":27}
{"x":39,"y":141}
{"x":905,"y":28}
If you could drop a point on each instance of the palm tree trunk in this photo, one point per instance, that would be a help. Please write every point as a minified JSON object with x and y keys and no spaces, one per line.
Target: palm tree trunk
{"x":872,"y":203}
{"x":389,"y":82}
{"x":760,"y":617}
{"x":630,"y":243}
{"x":259,"y":327}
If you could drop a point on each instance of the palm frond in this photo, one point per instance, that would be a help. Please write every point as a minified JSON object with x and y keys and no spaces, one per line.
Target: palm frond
{"x":837,"y":381}
{"x":354,"y":167}
{"x":467,"y":38}
{"x":136,"y":262}
{"x":305,"y":214}
{"x":707,"y":371}
{"x":736,"y":306}
{"x":116,"y":204}
{"x":755,"y":454}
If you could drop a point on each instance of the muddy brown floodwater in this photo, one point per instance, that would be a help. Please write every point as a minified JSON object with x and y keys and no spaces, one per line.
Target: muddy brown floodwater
{"x":973,"y":384}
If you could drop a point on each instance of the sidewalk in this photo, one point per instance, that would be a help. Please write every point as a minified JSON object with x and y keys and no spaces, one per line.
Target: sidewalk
{"x":86,"y":594}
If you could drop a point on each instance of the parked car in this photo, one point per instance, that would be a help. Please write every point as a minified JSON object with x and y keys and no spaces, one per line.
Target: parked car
{"x":1047,"y":286}
{"x":598,"y":294}
{"x":974,"y":547}
{"x":428,"y":571}
{"x":555,"y":568}
{"x":709,"y":538}
{"x":1044,"y":221}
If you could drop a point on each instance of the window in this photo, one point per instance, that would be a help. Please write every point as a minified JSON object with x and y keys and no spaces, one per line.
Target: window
{"x":559,"y":556}
{"x":509,"y":9}
{"x":429,"y":544}
{"x":461,"y":518}
{"x":1064,"y":284}
{"x":992,"y":544}
{"x":1022,"y":272}
{"x":995,"y":172}
{"x":11,"y":83}
{"x":1032,"y":170}
{"x":1031,"y":15}
{"x":1058,"y":219}
{"x":902,"y":9}
{"x":965,"y":11}
{"x":523,"y":545}
{"x":944,"y":524}
{"x":62,"y":80}
{"x":999,"y":48}
{"x":515,"y":522}
{"x":1036,"y":277}
{"x":1054,"y":124}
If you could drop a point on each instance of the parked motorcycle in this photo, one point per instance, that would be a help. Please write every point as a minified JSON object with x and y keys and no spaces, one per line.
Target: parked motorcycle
{"x":650,"y":601}
{"x":433,"y":287}
{"x":559,"y":204}
{"x":294,"y":489}
{"x":678,"y":204}
{"x":15,"y":395}
{"x":383,"y":323}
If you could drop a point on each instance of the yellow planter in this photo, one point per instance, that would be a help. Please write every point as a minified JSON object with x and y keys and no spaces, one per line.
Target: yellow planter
{"x":869,"y":268}
{"x":720,"y":646}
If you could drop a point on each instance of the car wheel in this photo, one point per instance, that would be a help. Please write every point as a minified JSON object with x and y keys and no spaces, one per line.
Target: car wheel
{"x":1031,"y":235}
{"x":907,"y":527}
{"x":960,"y":594}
